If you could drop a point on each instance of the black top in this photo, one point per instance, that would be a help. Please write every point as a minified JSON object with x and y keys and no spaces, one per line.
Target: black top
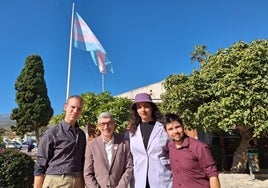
{"x":146,"y":129}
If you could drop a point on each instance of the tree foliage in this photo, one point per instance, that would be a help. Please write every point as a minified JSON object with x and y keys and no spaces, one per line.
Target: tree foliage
{"x":231,"y":90}
{"x":16,"y":169}
{"x":34,"y":109}
{"x":200,"y":53}
{"x":94,"y":104}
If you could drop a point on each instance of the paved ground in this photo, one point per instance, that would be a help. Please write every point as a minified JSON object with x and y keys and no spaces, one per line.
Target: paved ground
{"x":243,"y":181}
{"x":32,"y":153}
{"x":227,"y":180}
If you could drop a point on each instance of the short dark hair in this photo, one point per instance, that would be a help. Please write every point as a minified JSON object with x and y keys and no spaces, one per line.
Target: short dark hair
{"x":170,"y":117}
{"x":77,"y":97}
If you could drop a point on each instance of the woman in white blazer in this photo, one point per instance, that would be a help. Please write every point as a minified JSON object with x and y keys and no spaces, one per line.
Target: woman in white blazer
{"x":148,"y":145}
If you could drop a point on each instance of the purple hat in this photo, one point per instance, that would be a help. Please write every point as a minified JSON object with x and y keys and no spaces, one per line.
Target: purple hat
{"x":141,"y":97}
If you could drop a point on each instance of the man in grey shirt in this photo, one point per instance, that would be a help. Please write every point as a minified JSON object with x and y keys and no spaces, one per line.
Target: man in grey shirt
{"x":60,"y":155}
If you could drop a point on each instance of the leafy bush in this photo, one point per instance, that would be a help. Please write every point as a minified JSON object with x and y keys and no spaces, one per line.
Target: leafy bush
{"x":16,"y":169}
{"x":2,"y":145}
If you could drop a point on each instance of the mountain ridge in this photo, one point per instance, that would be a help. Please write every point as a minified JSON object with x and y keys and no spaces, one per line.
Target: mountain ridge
{"x":5,"y":121}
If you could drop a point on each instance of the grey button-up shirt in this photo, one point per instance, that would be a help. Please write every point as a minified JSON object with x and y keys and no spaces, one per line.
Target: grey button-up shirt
{"x":60,"y":151}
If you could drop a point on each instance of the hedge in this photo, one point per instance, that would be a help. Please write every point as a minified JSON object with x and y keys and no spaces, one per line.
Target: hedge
{"x":16,"y":169}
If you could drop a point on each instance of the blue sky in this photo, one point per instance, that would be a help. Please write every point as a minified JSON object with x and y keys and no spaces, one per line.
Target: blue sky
{"x":146,"y":40}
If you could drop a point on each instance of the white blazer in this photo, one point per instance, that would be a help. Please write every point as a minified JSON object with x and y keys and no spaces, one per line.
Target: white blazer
{"x":154,"y":160}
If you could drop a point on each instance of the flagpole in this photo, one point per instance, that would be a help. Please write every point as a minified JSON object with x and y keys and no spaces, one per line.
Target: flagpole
{"x":70,"y":55}
{"x":102,"y":81}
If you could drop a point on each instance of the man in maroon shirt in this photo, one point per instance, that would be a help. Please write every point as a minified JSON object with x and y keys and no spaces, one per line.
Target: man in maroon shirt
{"x":191,"y":161}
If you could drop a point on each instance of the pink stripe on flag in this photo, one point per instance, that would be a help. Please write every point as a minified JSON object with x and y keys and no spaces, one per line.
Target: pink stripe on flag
{"x":84,"y":39}
{"x":85,"y":34}
{"x":101,"y":61}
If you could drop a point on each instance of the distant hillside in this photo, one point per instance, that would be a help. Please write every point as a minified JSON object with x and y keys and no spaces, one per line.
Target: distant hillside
{"x":5,"y":121}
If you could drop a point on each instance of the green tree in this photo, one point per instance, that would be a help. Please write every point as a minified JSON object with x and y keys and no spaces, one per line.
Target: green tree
{"x":230,"y":92}
{"x":119,"y":107}
{"x":34,"y":109}
{"x":16,"y":169}
{"x":94,"y":104}
{"x":199,"y":54}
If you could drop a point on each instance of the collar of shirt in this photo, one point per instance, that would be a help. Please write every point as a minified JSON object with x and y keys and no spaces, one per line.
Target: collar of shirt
{"x":109,"y":142}
{"x":185,"y":143}
{"x":67,"y":126}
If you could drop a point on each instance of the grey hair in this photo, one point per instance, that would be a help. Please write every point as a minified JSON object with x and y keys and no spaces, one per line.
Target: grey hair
{"x":105,"y":115}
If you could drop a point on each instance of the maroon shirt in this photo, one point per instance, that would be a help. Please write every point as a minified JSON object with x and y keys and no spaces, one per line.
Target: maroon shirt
{"x":192,"y":164}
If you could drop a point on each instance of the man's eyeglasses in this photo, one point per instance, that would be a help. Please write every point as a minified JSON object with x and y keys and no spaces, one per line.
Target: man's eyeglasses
{"x":108,"y":124}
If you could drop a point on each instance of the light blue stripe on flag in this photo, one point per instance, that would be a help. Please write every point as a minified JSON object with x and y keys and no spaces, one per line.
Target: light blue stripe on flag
{"x":84,"y":39}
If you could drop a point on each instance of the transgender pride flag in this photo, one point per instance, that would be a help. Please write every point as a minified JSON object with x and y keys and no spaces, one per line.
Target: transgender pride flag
{"x":84,"y":39}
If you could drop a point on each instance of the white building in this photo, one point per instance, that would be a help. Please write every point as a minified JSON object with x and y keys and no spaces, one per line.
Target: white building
{"x":155,"y":90}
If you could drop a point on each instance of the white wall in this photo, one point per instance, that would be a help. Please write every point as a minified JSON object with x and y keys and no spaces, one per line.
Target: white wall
{"x":155,"y":90}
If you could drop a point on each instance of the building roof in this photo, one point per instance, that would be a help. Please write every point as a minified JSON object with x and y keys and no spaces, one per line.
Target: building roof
{"x":155,"y":90}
